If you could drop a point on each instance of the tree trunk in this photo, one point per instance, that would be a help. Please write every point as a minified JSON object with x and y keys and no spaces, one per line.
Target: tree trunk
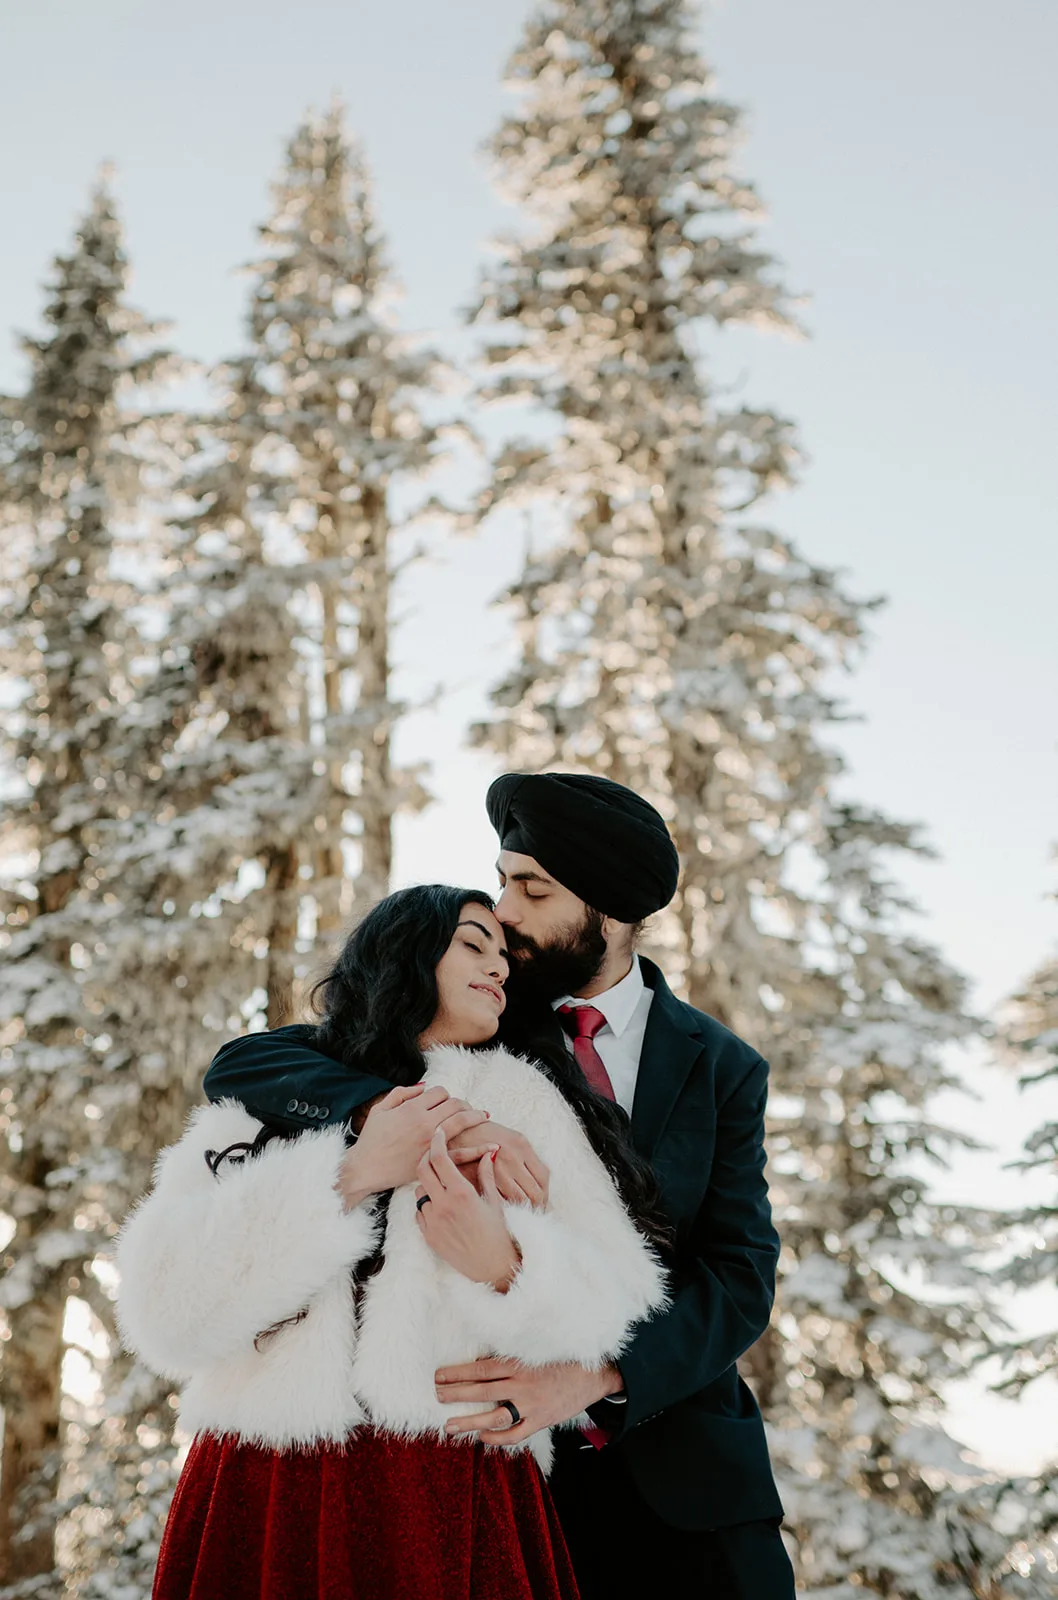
{"x":282,"y":881}
{"x":330,"y":863}
{"x":31,"y":1391}
{"x":31,"y":1365}
{"x":372,"y":662}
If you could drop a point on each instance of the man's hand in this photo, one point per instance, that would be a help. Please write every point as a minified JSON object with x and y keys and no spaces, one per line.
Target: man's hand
{"x":521,"y":1176}
{"x":543,"y":1395}
{"x":396,"y":1133}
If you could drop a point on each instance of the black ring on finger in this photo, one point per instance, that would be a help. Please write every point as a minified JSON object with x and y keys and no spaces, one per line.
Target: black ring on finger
{"x":516,"y":1415}
{"x":420,"y":1203}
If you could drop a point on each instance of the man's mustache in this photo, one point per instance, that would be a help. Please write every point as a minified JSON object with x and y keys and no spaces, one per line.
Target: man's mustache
{"x":521,"y":943}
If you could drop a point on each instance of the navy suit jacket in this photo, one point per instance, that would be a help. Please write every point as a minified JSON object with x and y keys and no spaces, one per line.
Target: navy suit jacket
{"x":690,"y":1434}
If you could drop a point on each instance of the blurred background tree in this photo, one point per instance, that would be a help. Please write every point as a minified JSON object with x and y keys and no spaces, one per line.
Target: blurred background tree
{"x":347,"y":392}
{"x":1029,"y":1032}
{"x":204,"y":750}
{"x":70,"y":480}
{"x":670,"y":640}
{"x":200,"y":716}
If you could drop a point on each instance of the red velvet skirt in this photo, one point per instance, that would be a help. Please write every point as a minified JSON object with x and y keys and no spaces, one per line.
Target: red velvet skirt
{"x":379,"y":1518}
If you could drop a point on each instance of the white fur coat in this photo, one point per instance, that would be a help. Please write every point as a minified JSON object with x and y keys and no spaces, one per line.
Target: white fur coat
{"x":208,"y":1264}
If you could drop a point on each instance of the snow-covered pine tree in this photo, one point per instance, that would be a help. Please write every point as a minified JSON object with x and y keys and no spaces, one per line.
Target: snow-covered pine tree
{"x":349,"y":389}
{"x":221,"y":785}
{"x":272,"y":674}
{"x":670,"y":641}
{"x":1028,"y":1035}
{"x":1030,"y":1032}
{"x":70,"y":474}
{"x":666,"y":639}
{"x":885,"y":1297}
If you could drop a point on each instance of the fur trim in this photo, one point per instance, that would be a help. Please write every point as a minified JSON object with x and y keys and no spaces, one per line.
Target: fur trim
{"x":295,"y":1391}
{"x":208,"y":1262}
{"x":586,"y":1274}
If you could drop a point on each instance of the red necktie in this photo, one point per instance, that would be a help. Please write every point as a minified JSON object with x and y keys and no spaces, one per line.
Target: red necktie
{"x":582,"y":1023}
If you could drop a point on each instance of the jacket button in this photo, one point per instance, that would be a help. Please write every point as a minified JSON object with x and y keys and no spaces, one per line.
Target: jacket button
{"x":314,"y":1111}
{"x":303,"y":1108}
{"x":325,"y":1111}
{"x":292,"y":1105}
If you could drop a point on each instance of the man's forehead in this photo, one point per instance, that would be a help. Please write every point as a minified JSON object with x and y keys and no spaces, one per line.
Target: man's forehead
{"x":514,"y":865}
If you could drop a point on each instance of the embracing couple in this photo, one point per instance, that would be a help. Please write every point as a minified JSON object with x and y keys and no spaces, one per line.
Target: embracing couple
{"x":455,"y":1280}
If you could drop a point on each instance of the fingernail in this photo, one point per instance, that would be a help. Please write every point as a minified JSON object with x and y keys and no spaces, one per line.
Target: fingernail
{"x":488,"y":1114}
{"x":495,"y":1153}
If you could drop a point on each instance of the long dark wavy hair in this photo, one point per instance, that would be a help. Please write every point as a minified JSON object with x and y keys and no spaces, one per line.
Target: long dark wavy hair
{"x":381,"y":995}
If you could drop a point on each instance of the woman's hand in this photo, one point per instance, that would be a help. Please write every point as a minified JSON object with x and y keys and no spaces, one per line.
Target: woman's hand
{"x":396,"y":1132}
{"x":521,"y":1176}
{"x":463,"y":1227}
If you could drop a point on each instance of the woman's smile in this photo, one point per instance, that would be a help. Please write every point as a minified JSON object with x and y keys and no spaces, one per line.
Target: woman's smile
{"x":494,"y":990}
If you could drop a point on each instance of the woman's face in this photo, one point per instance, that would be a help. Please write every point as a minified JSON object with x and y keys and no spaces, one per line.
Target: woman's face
{"x":470,"y":979}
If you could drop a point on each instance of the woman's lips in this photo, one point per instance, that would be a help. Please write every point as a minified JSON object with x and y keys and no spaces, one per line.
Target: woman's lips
{"x":487,"y":988}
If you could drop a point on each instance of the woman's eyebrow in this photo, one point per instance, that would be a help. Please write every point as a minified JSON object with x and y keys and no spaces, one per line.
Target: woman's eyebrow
{"x":469,"y":922}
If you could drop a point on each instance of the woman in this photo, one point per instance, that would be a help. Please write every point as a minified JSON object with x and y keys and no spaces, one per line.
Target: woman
{"x":306,"y":1318}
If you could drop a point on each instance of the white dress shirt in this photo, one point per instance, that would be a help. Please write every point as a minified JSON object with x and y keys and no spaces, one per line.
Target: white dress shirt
{"x":620,"y":1042}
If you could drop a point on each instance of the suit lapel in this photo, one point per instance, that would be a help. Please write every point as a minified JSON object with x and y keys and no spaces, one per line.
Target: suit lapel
{"x":670,"y":1049}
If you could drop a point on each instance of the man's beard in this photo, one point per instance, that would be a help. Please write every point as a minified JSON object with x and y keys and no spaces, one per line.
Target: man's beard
{"x":565,"y":965}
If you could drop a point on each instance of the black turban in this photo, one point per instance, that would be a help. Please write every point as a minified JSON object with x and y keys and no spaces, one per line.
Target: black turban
{"x":597,"y":838}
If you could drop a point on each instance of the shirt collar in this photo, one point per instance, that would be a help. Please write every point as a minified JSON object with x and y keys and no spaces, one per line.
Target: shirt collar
{"x":617,"y":1004}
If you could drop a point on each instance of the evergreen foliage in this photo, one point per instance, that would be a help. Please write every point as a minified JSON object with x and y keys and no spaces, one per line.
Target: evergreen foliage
{"x":1030,"y":1033}
{"x":670,"y":640}
{"x":77,"y":446}
{"x":199,"y":783}
{"x":347,"y":392}
{"x":217,"y":736}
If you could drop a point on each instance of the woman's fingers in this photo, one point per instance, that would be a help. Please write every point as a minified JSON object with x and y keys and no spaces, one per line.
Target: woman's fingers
{"x":471,"y":1155}
{"x":538,"y":1170}
{"x":514,"y":1180}
{"x":435,"y":1096}
{"x":441,"y":1162}
{"x":530,"y":1187}
{"x":429,"y":1180}
{"x":462,"y":1121}
{"x":487,"y":1179}
{"x":403,"y":1091}
{"x":437,"y":1165}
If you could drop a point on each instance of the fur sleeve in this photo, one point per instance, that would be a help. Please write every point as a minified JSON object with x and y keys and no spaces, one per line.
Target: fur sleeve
{"x":206,"y":1262}
{"x":587,"y":1274}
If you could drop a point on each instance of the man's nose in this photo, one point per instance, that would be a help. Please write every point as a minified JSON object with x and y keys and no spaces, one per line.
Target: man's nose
{"x":506,"y":909}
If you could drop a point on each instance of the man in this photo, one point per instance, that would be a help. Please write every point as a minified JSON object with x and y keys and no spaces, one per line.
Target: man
{"x":670,"y":1493}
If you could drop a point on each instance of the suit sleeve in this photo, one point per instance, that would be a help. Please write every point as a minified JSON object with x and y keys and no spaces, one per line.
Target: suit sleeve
{"x":284,"y":1081}
{"x":724,"y":1291}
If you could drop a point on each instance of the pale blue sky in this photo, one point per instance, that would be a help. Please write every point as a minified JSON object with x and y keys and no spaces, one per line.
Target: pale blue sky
{"x":908,"y":155}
